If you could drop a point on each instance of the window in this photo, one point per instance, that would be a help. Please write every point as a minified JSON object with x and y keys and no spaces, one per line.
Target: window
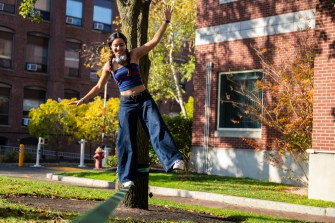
{"x":33,"y":97}
{"x":3,"y":141}
{"x":6,"y":47}
{"x":4,"y":103}
{"x":43,"y":6}
{"x":29,"y":141}
{"x":74,"y":12}
{"x":102,"y":15}
{"x":7,"y":6}
{"x":72,"y":58}
{"x":94,"y":75}
{"x":69,"y":94}
{"x":230,"y":115}
{"x":227,"y":1}
{"x":37,"y":53}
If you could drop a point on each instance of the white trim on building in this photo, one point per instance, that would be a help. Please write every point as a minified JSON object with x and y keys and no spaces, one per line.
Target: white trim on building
{"x":272,"y":25}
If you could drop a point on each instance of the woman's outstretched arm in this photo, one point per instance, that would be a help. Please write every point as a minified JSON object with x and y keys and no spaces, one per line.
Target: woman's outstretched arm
{"x":137,"y":53}
{"x":97,"y":88}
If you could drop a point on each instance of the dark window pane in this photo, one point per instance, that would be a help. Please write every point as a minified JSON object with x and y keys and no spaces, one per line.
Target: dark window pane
{"x":3,"y":141}
{"x":231,"y":115}
{"x":37,"y":53}
{"x":72,"y":59}
{"x":6,"y":48}
{"x":8,"y":6}
{"x":33,"y":98}
{"x":4,"y":104}
{"x":5,"y":63}
{"x":43,"y":6}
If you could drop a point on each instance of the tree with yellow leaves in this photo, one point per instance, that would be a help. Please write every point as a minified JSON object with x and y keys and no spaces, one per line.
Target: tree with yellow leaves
{"x":57,"y":120}
{"x":172,"y":60}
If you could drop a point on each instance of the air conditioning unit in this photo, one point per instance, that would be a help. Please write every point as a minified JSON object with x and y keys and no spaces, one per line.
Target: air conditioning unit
{"x":69,"y":20}
{"x":98,"y":26}
{"x":25,"y":121}
{"x":32,"y":67}
{"x":2,"y":6}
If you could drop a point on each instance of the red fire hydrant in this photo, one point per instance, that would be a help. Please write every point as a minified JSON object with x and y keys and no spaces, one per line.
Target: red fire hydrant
{"x":98,"y":156}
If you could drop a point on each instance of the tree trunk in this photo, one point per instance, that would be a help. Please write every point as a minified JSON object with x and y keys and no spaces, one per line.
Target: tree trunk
{"x":179,"y":96}
{"x":134,"y":16}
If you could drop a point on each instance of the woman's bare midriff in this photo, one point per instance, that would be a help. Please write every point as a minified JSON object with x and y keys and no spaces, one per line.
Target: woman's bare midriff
{"x":134,"y":90}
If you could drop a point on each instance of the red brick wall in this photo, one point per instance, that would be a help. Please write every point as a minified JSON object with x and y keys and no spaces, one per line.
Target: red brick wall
{"x":235,"y":55}
{"x":211,"y":13}
{"x":54,"y":82}
{"x":324,"y":83}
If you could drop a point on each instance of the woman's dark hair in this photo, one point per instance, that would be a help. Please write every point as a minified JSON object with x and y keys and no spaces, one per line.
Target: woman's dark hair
{"x":114,"y":36}
{"x":111,"y":38}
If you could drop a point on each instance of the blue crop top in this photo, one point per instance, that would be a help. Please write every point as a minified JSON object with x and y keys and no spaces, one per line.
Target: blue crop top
{"x":127,"y":77}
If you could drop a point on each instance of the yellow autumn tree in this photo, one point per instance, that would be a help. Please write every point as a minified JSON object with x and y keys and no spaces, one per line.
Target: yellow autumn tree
{"x":91,"y":118}
{"x":57,"y":120}
{"x":172,"y":60}
{"x":52,"y":120}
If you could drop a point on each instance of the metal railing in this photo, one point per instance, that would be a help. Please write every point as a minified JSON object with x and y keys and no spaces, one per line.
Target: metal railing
{"x":45,"y":153}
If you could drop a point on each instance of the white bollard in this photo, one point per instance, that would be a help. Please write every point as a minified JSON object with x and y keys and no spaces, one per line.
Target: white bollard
{"x":104,"y":160}
{"x":82,"y":152}
{"x":38,"y":152}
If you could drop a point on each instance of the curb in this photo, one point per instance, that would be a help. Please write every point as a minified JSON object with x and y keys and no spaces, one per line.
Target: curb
{"x":240,"y":201}
{"x":246,"y":202}
{"x":82,"y":181}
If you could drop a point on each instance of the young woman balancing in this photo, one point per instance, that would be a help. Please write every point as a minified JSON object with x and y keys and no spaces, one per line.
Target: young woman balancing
{"x":136,"y":102}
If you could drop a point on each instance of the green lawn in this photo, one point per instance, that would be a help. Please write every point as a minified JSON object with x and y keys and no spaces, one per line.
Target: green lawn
{"x":12,"y":213}
{"x":242,"y":187}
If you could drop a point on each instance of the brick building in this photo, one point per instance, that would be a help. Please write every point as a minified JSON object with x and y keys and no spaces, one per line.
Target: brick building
{"x":39,"y":61}
{"x":227,"y":31}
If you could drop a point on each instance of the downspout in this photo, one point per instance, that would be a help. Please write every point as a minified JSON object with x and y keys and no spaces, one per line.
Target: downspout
{"x":209,"y":67}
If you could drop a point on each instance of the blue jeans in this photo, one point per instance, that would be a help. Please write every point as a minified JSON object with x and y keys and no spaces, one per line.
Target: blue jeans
{"x":142,"y":106}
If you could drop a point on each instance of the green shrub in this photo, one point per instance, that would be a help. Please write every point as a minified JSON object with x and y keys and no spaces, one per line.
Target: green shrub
{"x":111,"y":161}
{"x":181,"y":130}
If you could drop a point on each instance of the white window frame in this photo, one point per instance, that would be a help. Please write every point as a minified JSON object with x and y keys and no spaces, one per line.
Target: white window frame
{"x":254,"y":133}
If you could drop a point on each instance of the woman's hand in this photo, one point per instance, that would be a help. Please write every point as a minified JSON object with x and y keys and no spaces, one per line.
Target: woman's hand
{"x":78,"y":102}
{"x":138,"y":52}
{"x":168,"y":12}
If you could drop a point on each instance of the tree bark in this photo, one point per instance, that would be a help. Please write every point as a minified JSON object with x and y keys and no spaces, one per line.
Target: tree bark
{"x":134,"y":16}
{"x":179,"y":96}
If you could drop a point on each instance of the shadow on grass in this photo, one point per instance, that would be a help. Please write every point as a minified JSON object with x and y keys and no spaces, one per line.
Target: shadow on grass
{"x":211,"y":178}
{"x":241,"y":218}
{"x":27,"y":214}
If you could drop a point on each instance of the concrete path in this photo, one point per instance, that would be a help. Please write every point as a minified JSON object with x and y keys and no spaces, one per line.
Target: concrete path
{"x":292,"y":211}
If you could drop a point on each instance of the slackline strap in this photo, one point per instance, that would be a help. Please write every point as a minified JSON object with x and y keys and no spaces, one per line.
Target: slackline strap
{"x":143,"y":170}
{"x":101,"y":212}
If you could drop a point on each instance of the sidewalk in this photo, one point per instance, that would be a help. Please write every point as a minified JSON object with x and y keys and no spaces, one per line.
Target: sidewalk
{"x":292,"y":211}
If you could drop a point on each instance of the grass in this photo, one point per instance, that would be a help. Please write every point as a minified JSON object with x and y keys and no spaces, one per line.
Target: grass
{"x":229,"y":215}
{"x":242,"y":187}
{"x":12,"y":213}
{"x":25,"y":187}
